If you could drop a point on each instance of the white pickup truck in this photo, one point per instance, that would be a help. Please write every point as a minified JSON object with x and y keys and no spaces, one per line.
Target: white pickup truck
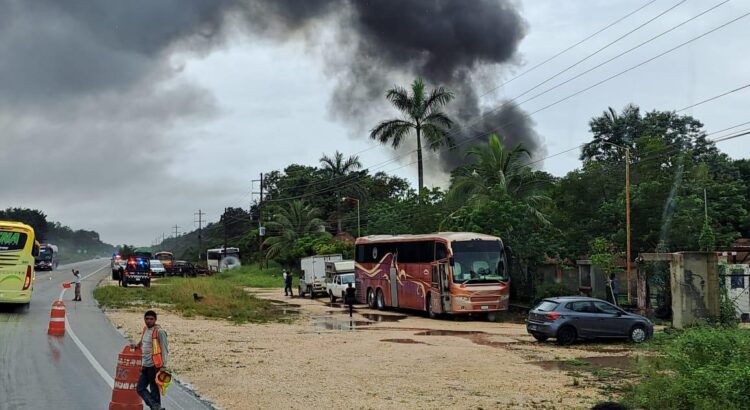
{"x":337,"y":286}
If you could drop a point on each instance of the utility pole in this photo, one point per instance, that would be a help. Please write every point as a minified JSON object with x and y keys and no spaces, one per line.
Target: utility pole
{"x":176,"y":227}
{"x":163,"y":238}
{"x":224,"y":218}
{"x":261,"y":228}
{"x":200,"y":232}
{"x":627,"y":216}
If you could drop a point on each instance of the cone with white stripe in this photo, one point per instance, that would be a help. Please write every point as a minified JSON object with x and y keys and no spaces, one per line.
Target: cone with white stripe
{"x":57,"y":319}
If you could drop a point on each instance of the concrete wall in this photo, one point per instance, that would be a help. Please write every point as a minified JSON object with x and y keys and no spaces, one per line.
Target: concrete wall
{"x":695,"y":287}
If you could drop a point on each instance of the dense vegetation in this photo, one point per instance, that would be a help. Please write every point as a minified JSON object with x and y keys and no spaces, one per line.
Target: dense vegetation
{"x":74,"y":245}
{"x":498,"y":192}
{"x":700,"y":368}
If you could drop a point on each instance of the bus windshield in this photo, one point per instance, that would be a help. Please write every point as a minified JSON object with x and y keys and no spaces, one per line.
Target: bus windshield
{"x":45,"y":254}
{"x":478,"y":262}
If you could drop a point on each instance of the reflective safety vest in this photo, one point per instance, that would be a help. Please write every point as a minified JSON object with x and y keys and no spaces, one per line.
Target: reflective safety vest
{"x":155,"y":346}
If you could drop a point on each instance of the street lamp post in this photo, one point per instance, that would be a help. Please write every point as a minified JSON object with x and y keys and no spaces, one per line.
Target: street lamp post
{"x":627,"y":214}
{"x":359,"y":233}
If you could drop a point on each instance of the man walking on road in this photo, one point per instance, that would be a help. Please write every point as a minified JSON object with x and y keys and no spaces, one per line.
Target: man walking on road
{"x":77,"y":282}
{"x":351,"y":296}
{"x":288,"y":282}
{"x":155,"y":352}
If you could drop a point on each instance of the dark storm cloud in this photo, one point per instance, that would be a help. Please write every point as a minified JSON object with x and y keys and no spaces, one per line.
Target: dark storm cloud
{"x":84,"y":82}
{"x":386,"y":42}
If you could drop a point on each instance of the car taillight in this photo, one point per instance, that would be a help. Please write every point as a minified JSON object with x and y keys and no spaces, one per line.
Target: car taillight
{"x":552,"y":315}
{"x":27,"y":280}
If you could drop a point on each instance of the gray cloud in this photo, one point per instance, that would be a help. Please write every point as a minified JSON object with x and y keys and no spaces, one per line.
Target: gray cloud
{"x":90,"y":88}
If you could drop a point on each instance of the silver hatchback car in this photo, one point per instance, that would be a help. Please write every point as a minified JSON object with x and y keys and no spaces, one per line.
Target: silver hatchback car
{"x":569,"y":318}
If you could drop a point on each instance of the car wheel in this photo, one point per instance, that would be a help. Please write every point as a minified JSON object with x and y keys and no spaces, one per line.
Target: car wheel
{"x":431,"y":313}
{"x":566,"y":335}
{"x":637,"y":334}
{"x":333,"y":298}
{"x":370,"y":299}
{"x":380,"y":300}
{"x":540,"y":338}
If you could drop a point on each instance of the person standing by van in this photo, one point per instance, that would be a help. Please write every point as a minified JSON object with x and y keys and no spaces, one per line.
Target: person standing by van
{"x":288,"y":283}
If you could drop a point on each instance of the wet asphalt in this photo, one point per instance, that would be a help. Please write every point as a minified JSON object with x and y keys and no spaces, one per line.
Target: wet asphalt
{"x":38,"y":371}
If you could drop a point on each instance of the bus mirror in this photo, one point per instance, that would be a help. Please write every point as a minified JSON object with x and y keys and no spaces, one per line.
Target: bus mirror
{"x":451,"y":261}
{"x":509,"y":252}
{"x":35,"y":250}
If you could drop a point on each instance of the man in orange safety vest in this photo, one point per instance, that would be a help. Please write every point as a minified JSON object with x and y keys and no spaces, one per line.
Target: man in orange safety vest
{"x":155,"y":351}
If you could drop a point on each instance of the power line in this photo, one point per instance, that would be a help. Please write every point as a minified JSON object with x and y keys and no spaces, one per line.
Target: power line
{"x":568,"y":48}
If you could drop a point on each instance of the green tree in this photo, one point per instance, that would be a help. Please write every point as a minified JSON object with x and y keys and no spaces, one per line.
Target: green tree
{"x":496,"y":170}
{"x":289,"y":223}
{"x":421,"y":111}
{"x":337,"y":169}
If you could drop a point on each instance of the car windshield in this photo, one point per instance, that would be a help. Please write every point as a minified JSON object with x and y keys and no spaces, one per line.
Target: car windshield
{"x":347,"y":279}
{"x":478,"y":261}
{"x":156,"y":264}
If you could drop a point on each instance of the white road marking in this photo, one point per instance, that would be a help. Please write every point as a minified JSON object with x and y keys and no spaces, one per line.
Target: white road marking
{"x":98,"y":367}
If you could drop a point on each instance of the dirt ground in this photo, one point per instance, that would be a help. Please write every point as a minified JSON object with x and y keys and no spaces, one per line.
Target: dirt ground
{"x":378,"y":360}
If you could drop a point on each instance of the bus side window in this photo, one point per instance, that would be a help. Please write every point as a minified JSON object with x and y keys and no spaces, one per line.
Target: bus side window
{"x":440,"y":251}
{"x":435,"y":279}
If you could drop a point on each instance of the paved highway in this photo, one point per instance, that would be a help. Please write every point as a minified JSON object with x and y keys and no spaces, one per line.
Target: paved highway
{"x":43,"y":372}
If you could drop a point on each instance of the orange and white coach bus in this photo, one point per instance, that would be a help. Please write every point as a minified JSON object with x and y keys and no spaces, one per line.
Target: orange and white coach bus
{"x":451,"y":273}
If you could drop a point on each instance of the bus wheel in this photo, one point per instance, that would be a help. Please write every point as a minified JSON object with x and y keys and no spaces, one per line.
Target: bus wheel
{"x":431,"y":313}
{"x":380,"y":300}
{"x":370,"y":299}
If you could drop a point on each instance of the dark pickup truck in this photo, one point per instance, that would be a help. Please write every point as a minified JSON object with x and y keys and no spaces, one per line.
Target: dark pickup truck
{"x":137,"y":271}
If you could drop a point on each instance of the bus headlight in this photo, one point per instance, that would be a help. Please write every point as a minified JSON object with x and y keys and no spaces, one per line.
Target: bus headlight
{"x":463,"y":299}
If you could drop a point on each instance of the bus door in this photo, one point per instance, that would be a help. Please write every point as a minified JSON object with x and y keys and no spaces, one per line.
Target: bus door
{"x":439,"y":286}
{"x":393,"y":274}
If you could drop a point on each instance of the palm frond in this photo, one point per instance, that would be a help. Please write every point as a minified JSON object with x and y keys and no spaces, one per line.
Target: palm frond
{"x":392,"y":131}
{"x":399,"y":97}
{"x":438,"y":98}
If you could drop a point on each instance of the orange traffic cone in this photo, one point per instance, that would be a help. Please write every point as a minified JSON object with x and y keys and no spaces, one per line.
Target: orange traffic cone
{"x":124,"y":396}
{"x":57,"y":319}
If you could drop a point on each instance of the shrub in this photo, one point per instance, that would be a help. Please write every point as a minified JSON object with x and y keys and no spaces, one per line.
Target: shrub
{"x":702,"y":368}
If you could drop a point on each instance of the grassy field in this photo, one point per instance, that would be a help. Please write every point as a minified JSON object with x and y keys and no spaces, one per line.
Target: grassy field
{"x":254,"y":277}
{"x":223,"y":298}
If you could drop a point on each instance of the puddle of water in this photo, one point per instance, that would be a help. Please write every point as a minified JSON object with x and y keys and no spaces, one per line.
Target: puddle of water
{"x":435,"y":332}
{"x":406,"y":341}
{"x":589,"y":363}
{"x":376,"y":317}
{"x":332,"y":324}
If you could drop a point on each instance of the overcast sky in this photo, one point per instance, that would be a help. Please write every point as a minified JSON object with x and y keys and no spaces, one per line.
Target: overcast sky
{"x":126,"y":118}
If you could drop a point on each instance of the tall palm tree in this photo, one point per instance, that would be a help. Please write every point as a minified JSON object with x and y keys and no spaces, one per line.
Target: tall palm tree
{"x":497,"y":170}
{"x":421,"y":113}
{"x":290,"y":223}
{"x":337,"y":168}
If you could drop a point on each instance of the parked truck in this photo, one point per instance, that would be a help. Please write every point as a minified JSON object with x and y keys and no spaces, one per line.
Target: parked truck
{"x":338,"y":277}
{"x":312,"y":278}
